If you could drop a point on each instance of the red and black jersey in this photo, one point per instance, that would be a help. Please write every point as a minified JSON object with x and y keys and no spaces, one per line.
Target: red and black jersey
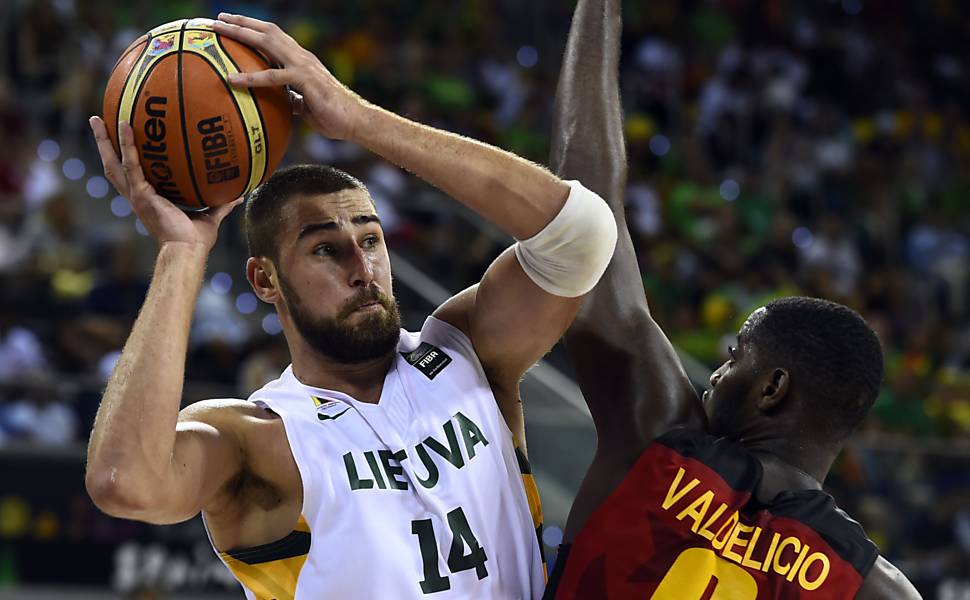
{"x":684,"y":525}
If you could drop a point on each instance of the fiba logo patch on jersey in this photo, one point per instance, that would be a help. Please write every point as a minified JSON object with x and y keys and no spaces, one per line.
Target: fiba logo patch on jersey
{"x":428,"y":359}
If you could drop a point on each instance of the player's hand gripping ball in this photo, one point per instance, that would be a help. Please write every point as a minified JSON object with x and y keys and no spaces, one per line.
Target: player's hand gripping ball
{"x":200,"y":141}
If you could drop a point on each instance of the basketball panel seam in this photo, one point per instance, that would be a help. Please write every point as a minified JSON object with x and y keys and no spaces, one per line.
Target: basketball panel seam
{"x":185,"y":131}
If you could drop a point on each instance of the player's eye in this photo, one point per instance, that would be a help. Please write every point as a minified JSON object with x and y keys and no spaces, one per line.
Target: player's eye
{"x":731,"y":351}
{"x":324,"y":250}
{"x":370,"y":241}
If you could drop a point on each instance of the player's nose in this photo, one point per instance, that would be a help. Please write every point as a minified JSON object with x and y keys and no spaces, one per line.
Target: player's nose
{"x":361,"y":269}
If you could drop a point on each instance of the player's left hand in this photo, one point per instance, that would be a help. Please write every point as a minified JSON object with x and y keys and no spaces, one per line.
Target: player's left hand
{"x":166,"y":223}
{"x":330,"y":107}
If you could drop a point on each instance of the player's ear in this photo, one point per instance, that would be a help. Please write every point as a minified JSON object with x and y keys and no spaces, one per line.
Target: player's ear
{"x":773,"y":389}
{"x":262,"y":276}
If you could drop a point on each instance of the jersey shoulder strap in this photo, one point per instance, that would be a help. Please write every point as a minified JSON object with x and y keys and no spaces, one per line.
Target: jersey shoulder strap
{"x":817,"y":510}
{"x":735,"y":465}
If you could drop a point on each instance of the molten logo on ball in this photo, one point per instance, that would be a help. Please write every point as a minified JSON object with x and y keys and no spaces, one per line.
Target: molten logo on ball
{"x":155,"y":150}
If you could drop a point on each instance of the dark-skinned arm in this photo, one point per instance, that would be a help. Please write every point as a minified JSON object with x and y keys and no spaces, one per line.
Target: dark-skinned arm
{"x":630,"y":375}
{"x":886,"y":582}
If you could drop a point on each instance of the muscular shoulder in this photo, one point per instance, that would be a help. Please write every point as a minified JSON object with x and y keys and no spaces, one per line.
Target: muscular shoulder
{"x":455,"y":311}
{"x":263,"y":500}
{"x":237,"y":416}
{"x":258,"y":432}
{"x":886,"y":582}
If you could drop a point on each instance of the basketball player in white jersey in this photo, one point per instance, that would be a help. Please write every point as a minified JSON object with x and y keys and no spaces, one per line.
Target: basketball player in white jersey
{"x":382,"y":463}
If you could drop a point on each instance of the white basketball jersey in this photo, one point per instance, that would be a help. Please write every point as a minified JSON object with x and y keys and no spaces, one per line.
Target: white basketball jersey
{"x":422,"y":495}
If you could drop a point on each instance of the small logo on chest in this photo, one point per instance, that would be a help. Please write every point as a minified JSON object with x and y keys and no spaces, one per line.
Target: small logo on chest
{"x":328,"y":410}
{"x":428,"y":359}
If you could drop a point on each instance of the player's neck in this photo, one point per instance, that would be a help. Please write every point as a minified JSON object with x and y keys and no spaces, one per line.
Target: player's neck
{"x":792,"y":463}
{"x":361,"y":381}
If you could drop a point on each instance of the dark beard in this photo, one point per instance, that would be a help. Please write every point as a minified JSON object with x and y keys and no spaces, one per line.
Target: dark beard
{"x":375,"y":336}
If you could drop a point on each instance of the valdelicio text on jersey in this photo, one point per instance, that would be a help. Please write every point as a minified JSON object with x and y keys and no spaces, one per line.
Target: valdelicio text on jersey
{"x":743,"y":544}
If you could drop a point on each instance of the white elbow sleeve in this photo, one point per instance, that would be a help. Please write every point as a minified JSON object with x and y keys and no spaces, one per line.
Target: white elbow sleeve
{"x":571,"y":253}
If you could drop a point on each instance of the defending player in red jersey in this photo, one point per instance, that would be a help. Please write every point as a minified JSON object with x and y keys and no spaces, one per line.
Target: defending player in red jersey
{"x":713,"y":498}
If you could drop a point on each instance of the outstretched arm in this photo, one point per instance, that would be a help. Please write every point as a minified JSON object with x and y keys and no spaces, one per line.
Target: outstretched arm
{"x":632,"y":380}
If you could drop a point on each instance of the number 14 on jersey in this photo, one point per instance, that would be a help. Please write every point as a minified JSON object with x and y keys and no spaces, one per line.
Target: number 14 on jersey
{"x":458,"y":560}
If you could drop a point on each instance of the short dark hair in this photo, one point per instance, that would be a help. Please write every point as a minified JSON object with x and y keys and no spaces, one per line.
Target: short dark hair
{"x":834,"y":358}
{"x":263,"y":208}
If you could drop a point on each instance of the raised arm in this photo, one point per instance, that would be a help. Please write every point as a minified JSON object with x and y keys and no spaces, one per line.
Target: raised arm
{"x":531,"y":292}
{"x":146,"y":462}
{"x":632,"y":380}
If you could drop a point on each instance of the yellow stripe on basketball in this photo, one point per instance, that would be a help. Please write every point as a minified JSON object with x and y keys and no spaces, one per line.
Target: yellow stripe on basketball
{"x":158,"y":47}
{"x":203,"y":42}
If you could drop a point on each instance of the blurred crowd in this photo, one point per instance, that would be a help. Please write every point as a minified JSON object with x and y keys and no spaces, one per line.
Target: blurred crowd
{"x":775,"y":148}
{"x":823,"y":154}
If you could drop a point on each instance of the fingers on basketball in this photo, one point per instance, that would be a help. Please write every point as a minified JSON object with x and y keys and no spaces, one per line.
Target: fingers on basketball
{"x":267,"y":78}
{"x":249,"y":22}
{"x":267,"y":37}
{"x":129,"y":155}
{"x":138,"y":187}
{"x":113,"y":170}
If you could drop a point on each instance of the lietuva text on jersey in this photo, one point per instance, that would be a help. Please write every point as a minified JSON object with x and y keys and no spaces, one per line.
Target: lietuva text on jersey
{"x":384,"y":470}
{"x":684,"y":525}
{"x":422,"y":494}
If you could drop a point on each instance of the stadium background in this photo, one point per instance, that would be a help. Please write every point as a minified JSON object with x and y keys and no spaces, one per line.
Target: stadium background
{"x":776,"y":147}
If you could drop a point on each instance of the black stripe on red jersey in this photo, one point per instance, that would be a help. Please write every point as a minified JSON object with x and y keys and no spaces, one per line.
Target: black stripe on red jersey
{"x":731,"y":461}
{"x":818,"y":510}
{"x":743,"y":472}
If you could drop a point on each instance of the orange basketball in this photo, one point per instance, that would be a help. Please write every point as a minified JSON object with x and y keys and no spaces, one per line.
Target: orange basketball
{"x":201,"y":142}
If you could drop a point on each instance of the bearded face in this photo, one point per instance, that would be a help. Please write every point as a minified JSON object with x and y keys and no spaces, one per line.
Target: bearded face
{"x":334,"y":276}
{"x":367,"y":326}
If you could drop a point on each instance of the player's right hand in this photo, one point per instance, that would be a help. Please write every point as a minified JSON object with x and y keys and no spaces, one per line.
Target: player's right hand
{"x":328,"y":105}
{"x":166,"y":222}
